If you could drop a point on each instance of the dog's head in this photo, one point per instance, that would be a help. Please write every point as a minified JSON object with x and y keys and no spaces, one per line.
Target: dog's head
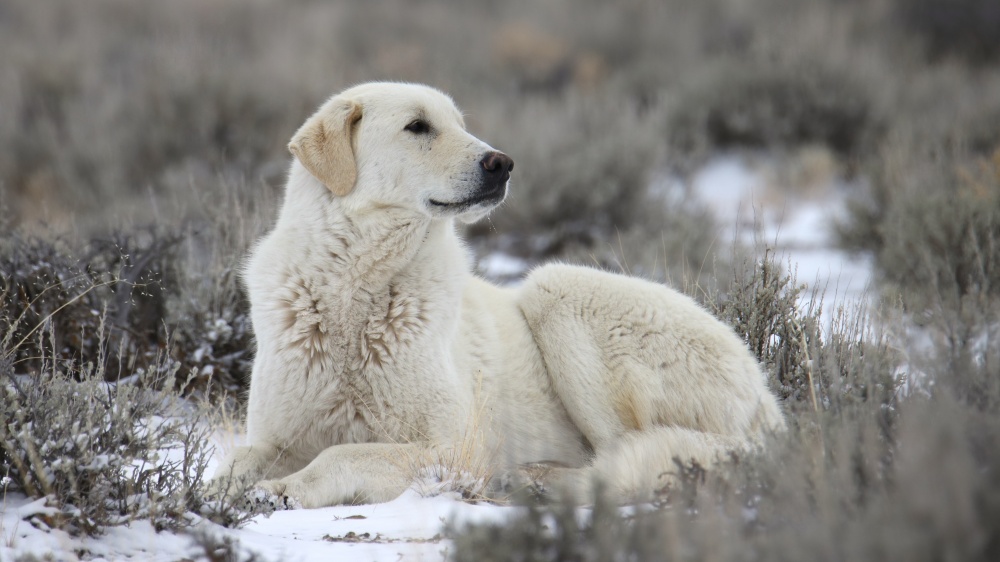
{"x":383,"y":145}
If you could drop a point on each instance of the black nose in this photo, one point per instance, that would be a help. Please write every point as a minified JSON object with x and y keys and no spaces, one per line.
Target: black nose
{"x":497,"y":165}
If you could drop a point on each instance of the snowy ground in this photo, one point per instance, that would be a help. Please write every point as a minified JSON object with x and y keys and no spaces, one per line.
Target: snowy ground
{"x":407,"y":528}
{"x":753,"y":200}
{"x":789,"y":208}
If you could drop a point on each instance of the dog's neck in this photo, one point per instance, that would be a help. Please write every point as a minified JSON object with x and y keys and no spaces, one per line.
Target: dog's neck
{"x":370,"y":247}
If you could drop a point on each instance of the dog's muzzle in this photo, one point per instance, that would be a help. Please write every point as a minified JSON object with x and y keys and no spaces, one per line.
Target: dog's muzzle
{"x":496,"y":168}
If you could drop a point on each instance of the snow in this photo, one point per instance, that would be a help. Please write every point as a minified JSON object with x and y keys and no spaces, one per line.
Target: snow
{"x":407,"y":528}
{"x":756,"y":204}
{"x":499,"y":265}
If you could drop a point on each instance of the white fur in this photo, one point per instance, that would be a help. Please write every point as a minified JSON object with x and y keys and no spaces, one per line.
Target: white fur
{"x":376,"y":344}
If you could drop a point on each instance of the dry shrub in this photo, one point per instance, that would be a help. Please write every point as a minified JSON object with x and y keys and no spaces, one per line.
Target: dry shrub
{"x":105,"y":454}
{"x":813,"y":362}
{"x":964,"y":28}
{"x":116,"y":107}
{"x":585,"y":165}
{"x":540,"y":61}
{"x":135,"y":292}
{"x":89,"y":418}
{"x":119,"y":96}
{"x":932,"y":221}
{"x":219,"y":547}
{"x":776,"y":106}
{"x":947,"y":238}
{"x":582,"y":188}
{"x":113,"y":290}
{"x":120,"y":107}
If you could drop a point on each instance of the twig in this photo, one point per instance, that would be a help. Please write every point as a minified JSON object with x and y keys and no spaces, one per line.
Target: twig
{"x":808,"y":364}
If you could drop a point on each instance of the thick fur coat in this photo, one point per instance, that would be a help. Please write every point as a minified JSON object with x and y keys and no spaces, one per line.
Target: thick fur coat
{"x":377,"y":346}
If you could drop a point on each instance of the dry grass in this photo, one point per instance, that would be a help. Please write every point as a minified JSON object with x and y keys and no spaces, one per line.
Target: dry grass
{"x":227,"y":418}
{"x":466,"y":468}
{"x":7,"y":536}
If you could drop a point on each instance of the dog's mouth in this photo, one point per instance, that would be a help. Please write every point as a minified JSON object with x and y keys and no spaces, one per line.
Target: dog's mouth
{"x":494,"y":195}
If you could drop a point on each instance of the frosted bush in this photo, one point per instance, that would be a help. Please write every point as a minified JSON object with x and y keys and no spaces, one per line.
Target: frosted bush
{"x":106,"y":454}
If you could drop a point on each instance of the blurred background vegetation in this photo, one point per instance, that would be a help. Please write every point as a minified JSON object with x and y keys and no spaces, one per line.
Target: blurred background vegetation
{"x":142,"y":150}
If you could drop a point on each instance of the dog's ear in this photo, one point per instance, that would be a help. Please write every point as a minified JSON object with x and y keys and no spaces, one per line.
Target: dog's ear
{"x":323,"y":144}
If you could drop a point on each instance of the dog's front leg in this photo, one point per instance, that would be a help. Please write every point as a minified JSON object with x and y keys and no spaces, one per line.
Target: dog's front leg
{"x":246,"y":465}
{"x":349,"y":474}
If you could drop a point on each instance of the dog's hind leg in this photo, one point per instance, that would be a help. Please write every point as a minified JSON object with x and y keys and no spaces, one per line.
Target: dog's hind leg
{"x":643,"y":462}
{"x":635,"y":468}
{"x":645,"y":374}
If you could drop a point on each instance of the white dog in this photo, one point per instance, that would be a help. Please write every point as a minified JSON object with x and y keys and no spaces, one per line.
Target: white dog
{"x":377,"y":345}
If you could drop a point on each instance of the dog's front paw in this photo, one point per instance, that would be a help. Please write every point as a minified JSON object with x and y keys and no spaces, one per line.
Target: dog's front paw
{"x":273,"y":494}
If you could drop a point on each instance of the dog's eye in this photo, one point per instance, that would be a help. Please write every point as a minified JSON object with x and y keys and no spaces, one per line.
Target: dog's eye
{"x":418,"y":127}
